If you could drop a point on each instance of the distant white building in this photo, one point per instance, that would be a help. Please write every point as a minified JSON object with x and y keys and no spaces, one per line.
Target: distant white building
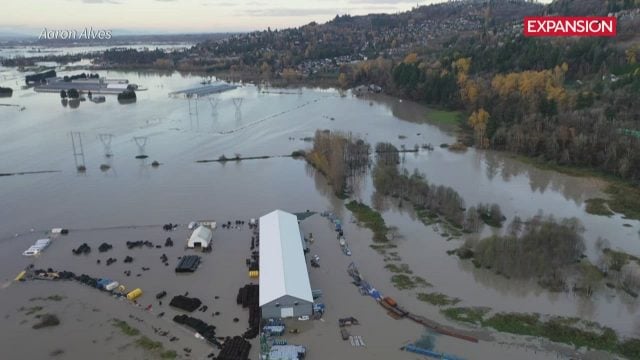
{"x":285,"y":290}
{"x":201,"y":237}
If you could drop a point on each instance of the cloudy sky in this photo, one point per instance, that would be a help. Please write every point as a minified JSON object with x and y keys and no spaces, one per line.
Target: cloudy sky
{"x":172,"y":16}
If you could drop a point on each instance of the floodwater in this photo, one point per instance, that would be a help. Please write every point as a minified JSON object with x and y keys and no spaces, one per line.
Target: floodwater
{"x":177,"y":132}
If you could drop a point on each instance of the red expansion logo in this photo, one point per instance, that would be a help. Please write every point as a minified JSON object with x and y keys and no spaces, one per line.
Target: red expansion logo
{"x":570,"y":26}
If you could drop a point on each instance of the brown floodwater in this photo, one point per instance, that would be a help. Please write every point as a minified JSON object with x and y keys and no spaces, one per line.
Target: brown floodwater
{"x":178,"y":133}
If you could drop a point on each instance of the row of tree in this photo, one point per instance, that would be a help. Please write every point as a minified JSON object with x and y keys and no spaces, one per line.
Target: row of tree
{"x":538,"y":248}
{"x":444,"y":201}
{"x":339,"y":156}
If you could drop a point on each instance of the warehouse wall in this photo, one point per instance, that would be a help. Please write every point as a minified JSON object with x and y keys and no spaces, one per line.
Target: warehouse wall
{"x":273,"y":309}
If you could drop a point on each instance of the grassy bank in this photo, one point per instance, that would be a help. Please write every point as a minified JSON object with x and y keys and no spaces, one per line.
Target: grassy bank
{"x":570,"y":331}
{"x":624,"y":196}
{"x":437,"y":299}
{"x":143,"y":342}
{"x":445,"y":116}
{"x":370,"y":219}
{"x":406,"y":282}
{"x":399,"y":269}
{"x":125,"y":328}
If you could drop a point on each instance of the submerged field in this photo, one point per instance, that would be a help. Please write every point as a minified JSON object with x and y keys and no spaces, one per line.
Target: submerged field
{"x":131,"y":194}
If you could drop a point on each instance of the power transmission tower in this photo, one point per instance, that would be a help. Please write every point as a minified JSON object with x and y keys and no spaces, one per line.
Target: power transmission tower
{"x":238,"y":103}
{"x":78,"y":151}
{"x":141,"y":141}
{"x":105,"y":139}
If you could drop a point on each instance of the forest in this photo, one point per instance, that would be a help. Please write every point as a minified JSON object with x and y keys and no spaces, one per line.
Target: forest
{"x":566,"y":102}
{"x":537,"y":248}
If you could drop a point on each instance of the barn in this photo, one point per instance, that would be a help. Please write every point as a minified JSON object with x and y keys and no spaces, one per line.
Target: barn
{"x":285,"y":290}
{"x":201,"y":237}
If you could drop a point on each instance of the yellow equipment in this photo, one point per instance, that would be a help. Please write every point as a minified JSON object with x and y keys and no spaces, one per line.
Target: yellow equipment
{"x":254,"y":274}
{"x":134,"y":294}
{"x":20,"y":276}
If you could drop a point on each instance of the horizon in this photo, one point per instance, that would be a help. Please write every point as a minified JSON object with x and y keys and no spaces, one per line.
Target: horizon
{"x":28,"y":18}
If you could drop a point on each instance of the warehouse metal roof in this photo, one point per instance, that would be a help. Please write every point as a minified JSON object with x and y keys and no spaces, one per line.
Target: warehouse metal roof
{"x":283,"y":267}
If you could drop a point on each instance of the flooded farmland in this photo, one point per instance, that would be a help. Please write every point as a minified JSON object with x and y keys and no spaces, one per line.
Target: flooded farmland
{"x":130,"y":199}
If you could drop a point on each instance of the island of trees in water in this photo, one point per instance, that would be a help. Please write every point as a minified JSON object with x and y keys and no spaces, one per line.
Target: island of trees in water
{"x":542,"y":248}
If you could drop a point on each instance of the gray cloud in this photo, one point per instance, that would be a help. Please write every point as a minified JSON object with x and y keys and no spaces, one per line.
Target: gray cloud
{"x":221,"y":3}
{"x":101,"y":2}
{"x":293,"y":12}
{"x":388,"y":2}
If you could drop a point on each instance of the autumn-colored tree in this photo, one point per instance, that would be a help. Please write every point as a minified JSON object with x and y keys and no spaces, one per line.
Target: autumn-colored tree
{"x":631,"y":54}
{"x":461,"y":67}
{"x":290,"y":74}
{"x":343,"y":81}
{"x":478,"y":121}
{"x":411,"y":58}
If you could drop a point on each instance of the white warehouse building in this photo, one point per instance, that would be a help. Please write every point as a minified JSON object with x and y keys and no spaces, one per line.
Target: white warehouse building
{"x":285,"y":290}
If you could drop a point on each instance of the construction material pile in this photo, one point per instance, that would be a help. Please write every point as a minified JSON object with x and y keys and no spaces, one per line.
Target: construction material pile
{"x":235,"y":348}
{"x":82,"y":249}
{"x":139,"y":243}
{"x":185,"y":303}
{"x":249,"y":297}
{"x":207,"y":331}
{"x":104,"y":247}
{"x":188,"y":263}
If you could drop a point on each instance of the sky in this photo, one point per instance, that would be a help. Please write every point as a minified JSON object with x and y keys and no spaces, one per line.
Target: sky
{"x":30,"y":17}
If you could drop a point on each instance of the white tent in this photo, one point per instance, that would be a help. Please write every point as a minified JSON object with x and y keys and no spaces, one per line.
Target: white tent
{"x":201,"y":236}
{"x":283,"y":268}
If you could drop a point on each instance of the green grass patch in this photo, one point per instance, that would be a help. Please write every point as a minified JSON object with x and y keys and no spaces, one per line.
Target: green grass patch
{"x":471,"y":315}
{"x":46,"y":320}
{"x":55,"y":297}
{"x":382,"y":248}
{"x":31,"y":310}
{"x":445,"y":116}
{"x":567,"y":330}
{"x":371,"y":219}
{"x":155,"y":347}
{"x":406,"y":282}
{"x":618,"y":259}
{"x":169,"y":354}
{"x":399,"y":269}
{"x":148,"y":344}
{"x":437,"y":299}
{"x":555,"y":329}
{"x":625,"y":197}
{"x":598,"y":206}
{"x":125,"y":327}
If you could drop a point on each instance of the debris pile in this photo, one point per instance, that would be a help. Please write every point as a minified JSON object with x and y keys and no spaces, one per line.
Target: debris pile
{"x":185,"y":303}
{"x":82,"y":249}
{"x":139,"y":243}
{"x":168,"y":242}
{"x":169,"y":226}
{"x":104,"y":247}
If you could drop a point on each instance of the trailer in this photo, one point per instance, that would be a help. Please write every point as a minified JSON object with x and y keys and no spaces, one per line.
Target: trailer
{"x":430,"y":353}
